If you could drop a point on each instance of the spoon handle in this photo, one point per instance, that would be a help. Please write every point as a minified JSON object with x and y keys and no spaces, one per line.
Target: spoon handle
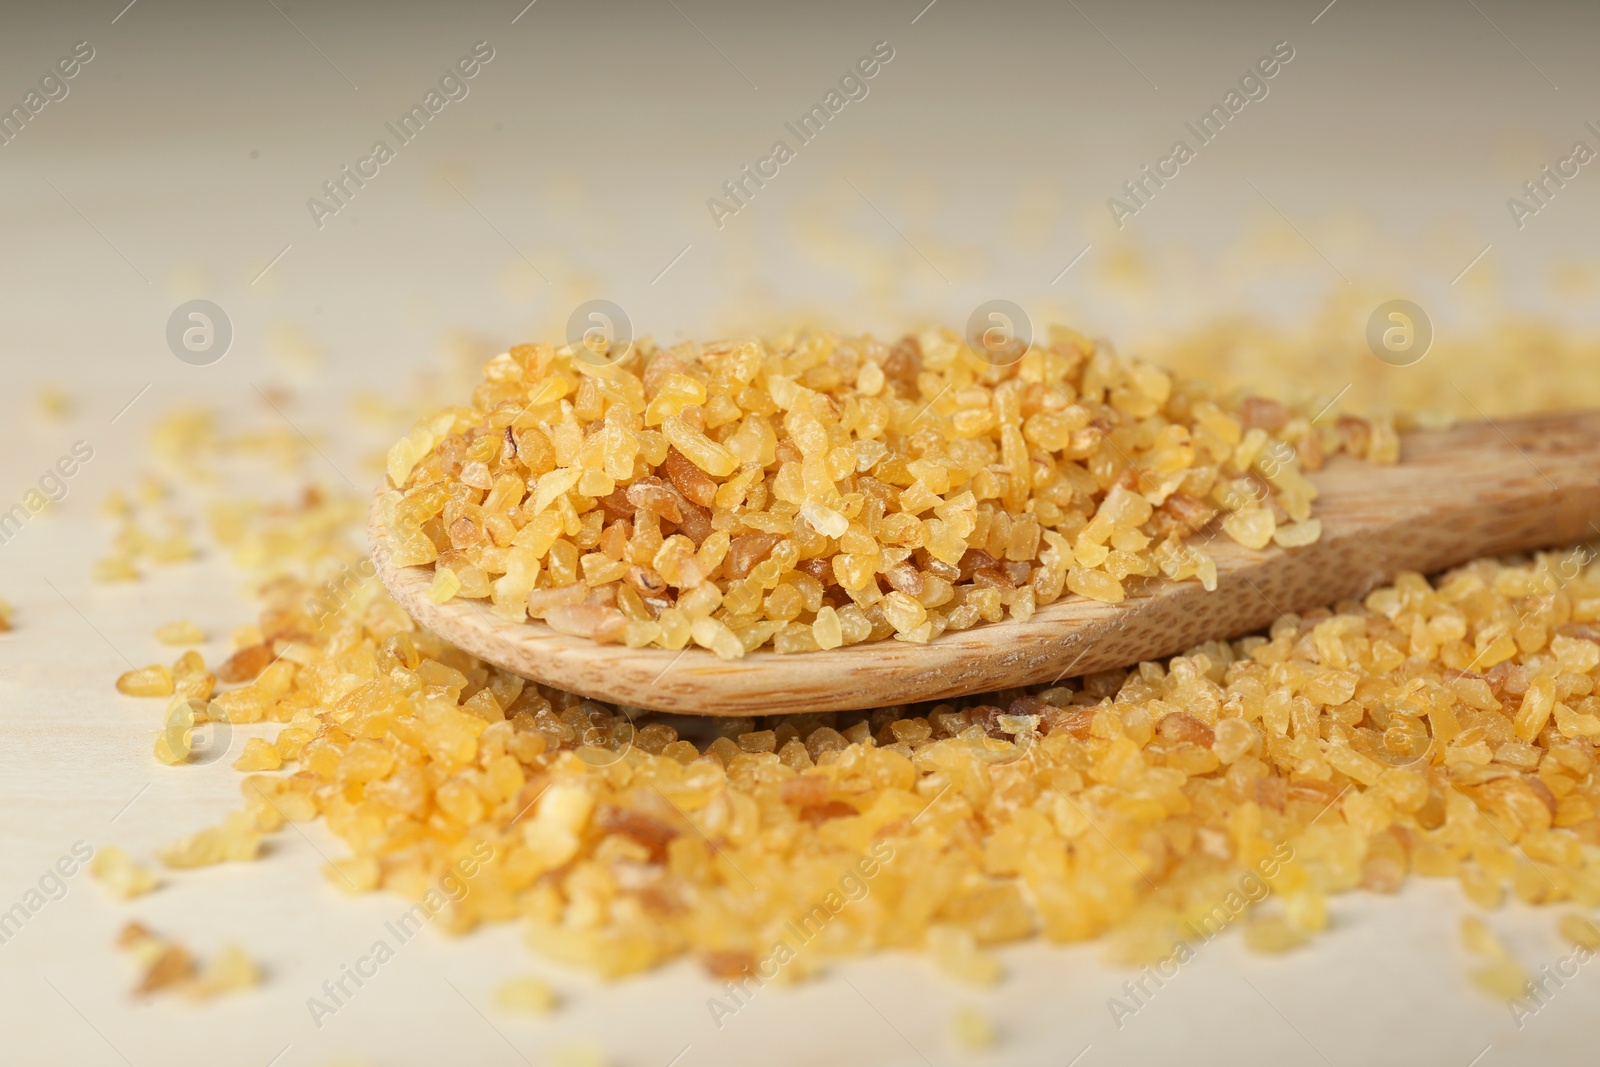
{"x":1476,"y":489}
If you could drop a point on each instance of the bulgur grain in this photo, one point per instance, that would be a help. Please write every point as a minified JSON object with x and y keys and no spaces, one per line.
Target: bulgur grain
{"x":753,"y":492}
{"x":530,"y":996}
{"x":973,"y":1030}
{"x":152,"y":681}
{"x":180,"y":632}
{"x":168,"y":965}
{"x":120,"y":875}
{"x":1376,"y":740}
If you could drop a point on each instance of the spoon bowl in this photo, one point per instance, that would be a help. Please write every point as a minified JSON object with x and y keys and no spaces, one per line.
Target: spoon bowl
{"x":1472,"y":490}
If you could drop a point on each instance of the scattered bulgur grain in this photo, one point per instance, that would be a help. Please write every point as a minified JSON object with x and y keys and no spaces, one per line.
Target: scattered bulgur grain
{"x":531,"y":996}
{"x":168,"y":965}
{"x":152,"y":681}
{"x":228,"y":971}
{"x":973,"y":1030}
{"x":1580,"y":929}
{"x":1272,"y":933}
{"x":246,"y":664}
{"x":190,"y":679}
{"x":1480,"y":939}
{"x":354,"y":875}
{"x":571,"y":812}
{"x":258,"y":755}
{"x":134,"y":541}
{"x":124,"y":878}
{"x":1500,"y":974}
{"x":1305,"y":910}
{"x":172,"y":745}
{"x":235,"y":840}
{"x":172,"y":966}
{"x":1503,"y":978}
{"x":955,"y":950}
{"x":135,"y":937}
{"x":114,"y":569}
{"x":180,"y":632}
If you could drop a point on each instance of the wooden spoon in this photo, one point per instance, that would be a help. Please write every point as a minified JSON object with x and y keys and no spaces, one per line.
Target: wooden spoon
{"x":1473,"y":490}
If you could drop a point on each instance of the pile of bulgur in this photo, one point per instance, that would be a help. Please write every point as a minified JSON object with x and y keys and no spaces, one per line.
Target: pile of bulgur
{"x":1442,"y":729}
{"x":817,"y":491}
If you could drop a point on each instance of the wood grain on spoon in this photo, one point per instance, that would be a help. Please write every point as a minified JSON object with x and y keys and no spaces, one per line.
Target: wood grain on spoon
{"x":1469,"y":491}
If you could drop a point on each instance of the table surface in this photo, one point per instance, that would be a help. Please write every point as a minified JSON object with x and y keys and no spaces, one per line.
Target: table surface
{"x":179,"y":166}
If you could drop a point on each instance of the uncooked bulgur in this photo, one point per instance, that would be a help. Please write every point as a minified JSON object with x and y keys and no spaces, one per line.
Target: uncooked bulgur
{"x":1444,"y":729}
{"x":120,"y":875}
{"x":1380,"y":739}
{"x":168,"y":965}
{"x":812,"y":492}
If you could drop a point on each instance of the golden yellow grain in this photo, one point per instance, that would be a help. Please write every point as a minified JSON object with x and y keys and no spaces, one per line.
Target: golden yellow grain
{"x":172,"y":746}
{"x":354,"y":875}
{"x":973,"y":1030}
{"x":152,"y":681}
{"x":954,"y":949}
{"x":531,"y":996}
{"x":1503,"y":978}
{"x":120,"y":875}
{"x":1272,"y":933}
{"x":229,"y":971}
{"x":168,"y":965}
{"x":446,"y":584}
{"x":1580,"y":929}
{"x":1478,"y":938}
{"x":1317,"y":721}
{"x":114,"y":569}
{"x":237,"y":839}
{"x":739,"y":495}
{"x":258,"y":755}
{"x":1339,"y":749}
{"x":54,"y":402}
{"x":180,"y":632}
